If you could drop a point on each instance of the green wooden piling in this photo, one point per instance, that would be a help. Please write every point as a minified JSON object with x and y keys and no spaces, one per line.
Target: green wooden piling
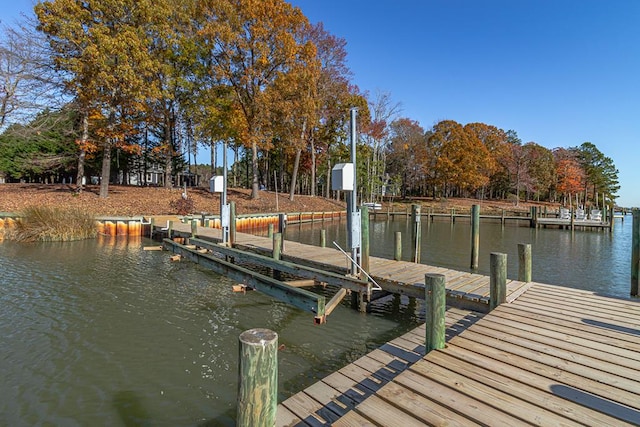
{"x":257,"y":378}
{"x":276,"y":252}
{"x":152,"y":223}
{"x":232,"y":223}
{"x":270,"y":231}
{"x":635,"y":252}
{"x":397,"y":247}
{"x":323,"y":238}
{"x":416,"y":232}
{"x":498,"y":280}
{"x":194,"y":227}
{"x":169,"y":229}
{"x":475,"y":235}
{"x":364,"y":242}
{"x":435,"y":298}
{"x":524,"y":262}
{"x":502,"y":218}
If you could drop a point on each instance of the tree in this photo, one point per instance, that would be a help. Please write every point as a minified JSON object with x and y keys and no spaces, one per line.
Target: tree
{"x":42,"y":150}
{"x":251,"y":42}
{"x":28,"y":82}
{"x":541,"y":169}
{"x":459,"y":156}
{"x":104,"y":49}
{"x":601,"y":175}
{"x":569,"y":172}
{"x":407,"y":153}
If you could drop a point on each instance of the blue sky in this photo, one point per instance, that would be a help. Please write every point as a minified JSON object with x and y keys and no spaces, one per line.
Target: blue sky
{"x":558,"y":72}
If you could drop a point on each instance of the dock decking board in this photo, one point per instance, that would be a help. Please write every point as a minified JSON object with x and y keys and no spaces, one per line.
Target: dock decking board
{"x":545,"y":359}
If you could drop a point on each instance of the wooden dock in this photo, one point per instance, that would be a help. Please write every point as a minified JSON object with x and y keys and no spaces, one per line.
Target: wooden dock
{"x":554,"y":356}
{"x":464,"y":289}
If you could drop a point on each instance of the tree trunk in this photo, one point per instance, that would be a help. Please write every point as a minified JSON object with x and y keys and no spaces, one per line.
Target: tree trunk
{"x":83,"y":153}
{"x":254,"y":167}
{"x":313,"y":167}
{"x":294,"y":177}
{"x":106,"y":171}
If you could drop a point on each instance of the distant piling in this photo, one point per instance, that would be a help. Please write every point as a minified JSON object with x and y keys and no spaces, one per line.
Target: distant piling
{"x":475,"y":235}
{"x":635,"y":252}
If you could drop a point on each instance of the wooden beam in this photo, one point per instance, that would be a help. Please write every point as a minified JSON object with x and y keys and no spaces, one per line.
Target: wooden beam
{"x":333,"y":302}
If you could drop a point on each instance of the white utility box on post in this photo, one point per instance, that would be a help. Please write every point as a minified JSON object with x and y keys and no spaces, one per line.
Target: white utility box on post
{"x":342,"y":177}
{"x":216,"y":184}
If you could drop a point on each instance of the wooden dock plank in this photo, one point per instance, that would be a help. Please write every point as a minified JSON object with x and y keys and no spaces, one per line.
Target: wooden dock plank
{"x":454,"y":400}
{"x":574,"y":375}
{"x":561,"y":335}
{"x":518,"y":383}
{"x":495,"y":398}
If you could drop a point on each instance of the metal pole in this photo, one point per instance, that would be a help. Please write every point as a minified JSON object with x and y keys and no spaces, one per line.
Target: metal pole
{"x":223,"y":197}
{"x":354,"y":194}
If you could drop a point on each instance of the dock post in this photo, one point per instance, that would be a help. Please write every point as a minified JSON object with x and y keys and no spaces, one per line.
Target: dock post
{"x":502,"y":218}
{"x":397,"y":247}
{"x":194,"y":227}
{"x":635,"y":252}
{"x":270,"y":231}
{"x":416,"y":235}
{"x":323,"y":238}
{"x":232,"y":223}
{"x":276,"y":252}
{"x":453,"y":215}
{"x":169,"y":229}
{"x":435,"y":298}
{"x":612,"y":218}
{"x":152,"y":223}
{"x":533,"y":211}
{"x":475,"y":235}
{"x":498,"y":280}
{"x":258,"y":378}
{"x":524,"y":262}
{"x":364,"y":242}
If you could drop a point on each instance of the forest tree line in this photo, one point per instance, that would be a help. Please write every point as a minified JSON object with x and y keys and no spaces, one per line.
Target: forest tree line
{"x":114,"y":88}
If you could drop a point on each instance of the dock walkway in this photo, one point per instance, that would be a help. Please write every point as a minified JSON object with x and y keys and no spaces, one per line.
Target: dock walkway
{"x":464,"y":289}
{"x":554,"y":356}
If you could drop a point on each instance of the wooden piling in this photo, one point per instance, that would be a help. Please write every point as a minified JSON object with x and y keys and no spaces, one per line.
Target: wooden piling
{"x":323,"y":238}
{"x":397,"y":247}
{"x":277,"y":246}
{"x":364,"y":238}
{"x":257,"y":378}
{"x":475,"y":235}
{"x":270,"y":231}
{"x":169,"y":228}
{"x":497,"y":280}
{"x":232,"y":223}
{"x":524,"y":262}
{"x":276,"y":252}
{"x":416,"y":232}
{"x":435,"y":298}
{"x":635,"y":252}
{"x":194,"y":227}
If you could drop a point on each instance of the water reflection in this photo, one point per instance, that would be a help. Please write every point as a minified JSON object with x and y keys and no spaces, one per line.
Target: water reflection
{"x":103,"y":333}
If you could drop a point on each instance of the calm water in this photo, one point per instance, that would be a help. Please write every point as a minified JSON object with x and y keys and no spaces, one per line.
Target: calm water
{"x":103,"y":333}
{"x":592,"y":260}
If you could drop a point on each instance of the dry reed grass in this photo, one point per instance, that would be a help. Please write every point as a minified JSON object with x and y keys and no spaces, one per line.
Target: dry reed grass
{"x":53,"y":224}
